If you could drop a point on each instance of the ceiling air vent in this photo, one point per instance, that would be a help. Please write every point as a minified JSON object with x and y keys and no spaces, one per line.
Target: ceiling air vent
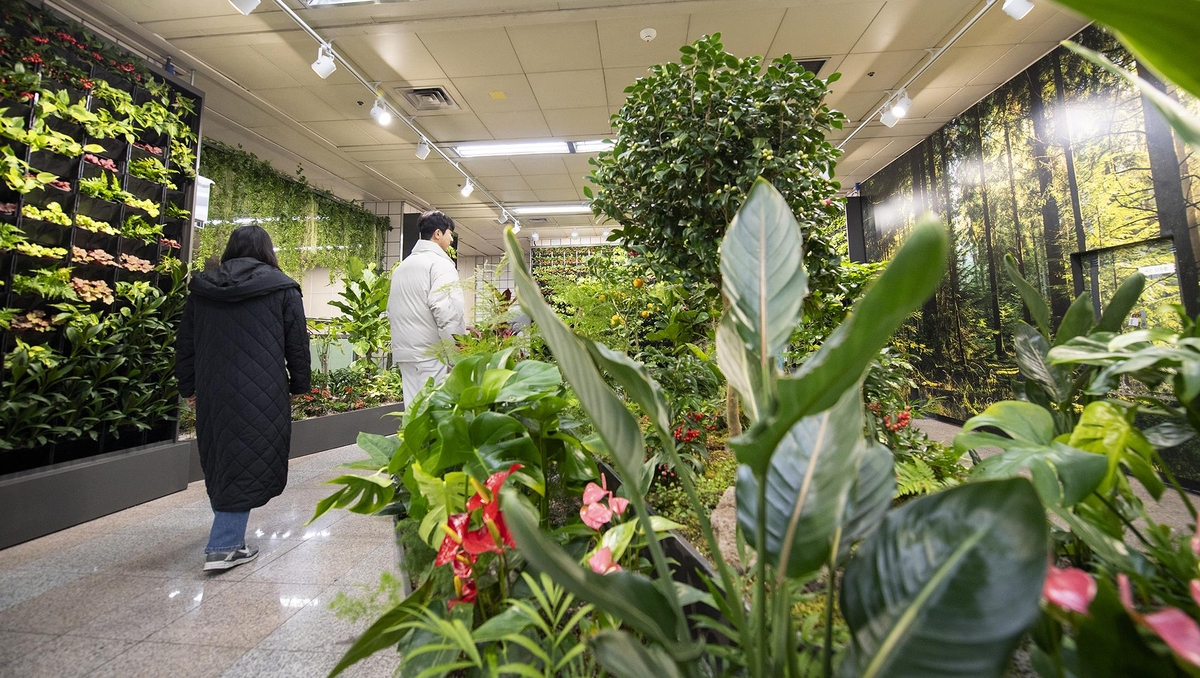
{"x":428,"y":99}
{"x":530,"y":221}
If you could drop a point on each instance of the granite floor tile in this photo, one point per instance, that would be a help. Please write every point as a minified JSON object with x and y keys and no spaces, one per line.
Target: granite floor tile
{"x":16,"y":644}
{"x":27,"y":552}
{"x":152,"y":611}
{"x":31,"y":581}
{"x":359,"y":526}
{"x":67,"y":657}
{"x":72,"y":605}
{"x":100,"y":552}
{"x":279,"y":523}
{"x":318,"y":628}
{"x":299,"y":499}
{"x":165,"y":660}
{"x":385,"y":558}
{"x":240,"y":615}
{"x":315,"y":562}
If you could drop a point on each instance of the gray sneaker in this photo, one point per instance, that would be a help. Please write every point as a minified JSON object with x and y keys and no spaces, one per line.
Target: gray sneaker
{"x":225,"y":560}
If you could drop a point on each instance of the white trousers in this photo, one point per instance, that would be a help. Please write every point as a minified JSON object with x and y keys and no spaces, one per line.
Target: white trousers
{"x":414,"y":376}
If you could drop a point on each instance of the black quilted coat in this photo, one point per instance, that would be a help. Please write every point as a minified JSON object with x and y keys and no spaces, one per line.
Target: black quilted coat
{"x":242,"y":347}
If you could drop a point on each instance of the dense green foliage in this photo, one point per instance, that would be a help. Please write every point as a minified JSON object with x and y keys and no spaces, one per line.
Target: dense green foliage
{"x":311,"y":228}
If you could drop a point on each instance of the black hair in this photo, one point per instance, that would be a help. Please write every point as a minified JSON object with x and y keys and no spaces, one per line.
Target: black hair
{"x":250,"y":242}
{"x":431,"y":221}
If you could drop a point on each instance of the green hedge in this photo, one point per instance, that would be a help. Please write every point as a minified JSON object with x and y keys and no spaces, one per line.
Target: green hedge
{"x":311,"y":228}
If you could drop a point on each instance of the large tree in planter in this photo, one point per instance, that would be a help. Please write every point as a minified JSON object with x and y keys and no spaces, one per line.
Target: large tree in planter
{"x":692,"y":138}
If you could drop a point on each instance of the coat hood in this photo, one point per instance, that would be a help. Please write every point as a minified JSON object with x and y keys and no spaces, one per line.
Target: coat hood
{"x":240,"y":279}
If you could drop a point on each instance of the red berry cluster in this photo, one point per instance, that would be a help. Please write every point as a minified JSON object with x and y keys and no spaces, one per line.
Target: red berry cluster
{"x":686,"y":435}
{"x":902,"y":421}
{"x":666,"y":472}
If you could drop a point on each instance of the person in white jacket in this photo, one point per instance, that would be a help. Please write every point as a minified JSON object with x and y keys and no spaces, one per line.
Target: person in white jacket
{"x":425,"y":305}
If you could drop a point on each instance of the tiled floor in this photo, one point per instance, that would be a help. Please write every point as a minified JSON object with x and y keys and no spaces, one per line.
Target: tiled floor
{"x":124,"y":596}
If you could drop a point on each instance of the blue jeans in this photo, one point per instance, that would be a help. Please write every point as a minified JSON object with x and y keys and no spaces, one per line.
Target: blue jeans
{"x":228,"y":531}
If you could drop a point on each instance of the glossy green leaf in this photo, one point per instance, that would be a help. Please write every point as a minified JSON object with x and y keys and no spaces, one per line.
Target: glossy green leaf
{"x":635,"y":379}
{"x":388,"y":630}
{"x":1038,"y":309}
{"x":360,"y":494}
{"x":530,"y":378}
{"x":1032,"y":348}
{"x":1063,"y":475}
{"x":632,"y":598}
{"x":500,"y":440}
{"x":948,"y":584}
{"x":905,"y":284}
{"x":511,"y":621}
{"x":1078,"y":320}
{"x":1162,"y":34}
{"x":379,"y":448}
{"x":810,"y":475}
{"x":1022,"y":421}
{"x":870,"y":497}
{"x":1105,"y":546}
{"x":1110,"y":645}
{"x":622,"y":655}
{"x":1108,"y":430}
{"x":762,"y":272}
{"x":445,"y":496}
{"x":1123,"y":300}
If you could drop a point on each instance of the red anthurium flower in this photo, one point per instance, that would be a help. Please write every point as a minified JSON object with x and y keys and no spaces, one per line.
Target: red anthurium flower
{"x":1071,"y":589}
{"x":466,"y":590}
{"x":602,"y":562}
{"x":1180,"y":632}
{"x":455,"y":534}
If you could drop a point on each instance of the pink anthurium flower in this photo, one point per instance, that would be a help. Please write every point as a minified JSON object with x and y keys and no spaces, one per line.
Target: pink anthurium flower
{"x":1194,"y":586}
{"x":1071,"y":589}
{"x":1180,"y":632}
{"x":618,"y":504}
{"x":602,"y":562}
{"x":595,"y":515}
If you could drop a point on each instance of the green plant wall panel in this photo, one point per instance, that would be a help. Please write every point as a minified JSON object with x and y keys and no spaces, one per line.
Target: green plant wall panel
{"x":96,"y":187}
{"x":311,"y":228}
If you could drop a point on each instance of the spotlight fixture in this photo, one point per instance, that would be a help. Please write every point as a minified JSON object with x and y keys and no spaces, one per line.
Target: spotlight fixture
{"x":324,"y":66}
{"x":901,"y":105}
{"x":1017,"y":9}
{"x":889,"y":118}
{"x":244,"y":6}
{"x":574,"y":234}
{"x":504,"y":217}
{"x":516,"y":228}
{"x":423,"y":149}
{"x":380,"y":113}
{"x":467,"y":188}
{"x":535,"y":237}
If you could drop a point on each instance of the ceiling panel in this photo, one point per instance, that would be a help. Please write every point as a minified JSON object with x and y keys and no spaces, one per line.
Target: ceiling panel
{"x":341,"y":132}
{"x":876,"y":71}
{"x":961,"y":64}
{"x":475,"y":52}
{"x":497,"y":93}
{"x":914,"y":24}
{"x":1015,"y":60}
{"x":557,"y":47}
{"x":457,"y":127}
{"x":518,"y":125}
{"x":296,"y":59}
{"x":579,"y":122}
{"x":856,"y":105}
{"x":621,"y":46}
{"x":617,"y":79}
{"x":246,"y":67}
{"x":821,"y":30}
{"x":569,"y":89}
{"x":744,"y":33}
{"x":542,"y":182}
{"x":392,"y":56}
{"x":539,"y":164}
{"x":491,"y":167}
{"x":300,"y":103}
{"x":961,"y":100}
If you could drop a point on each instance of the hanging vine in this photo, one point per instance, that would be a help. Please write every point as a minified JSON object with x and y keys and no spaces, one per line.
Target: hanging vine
{"x":311,"y":228}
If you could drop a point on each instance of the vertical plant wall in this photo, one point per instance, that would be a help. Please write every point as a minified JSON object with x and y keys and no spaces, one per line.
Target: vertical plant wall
{"x":99,"y":163}
{"x":310,"y":228}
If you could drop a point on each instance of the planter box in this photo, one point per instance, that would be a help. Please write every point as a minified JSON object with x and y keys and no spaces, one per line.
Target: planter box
{"x":39,"y":502}
{"x":310,"y":436}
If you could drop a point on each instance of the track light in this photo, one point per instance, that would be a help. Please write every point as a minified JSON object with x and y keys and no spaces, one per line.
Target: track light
{"x":516,"y":228}
{"x":244,"y":6}
{"x":467,"y":188}
{"x":902,"y":104}
{"x":324,"y":66}
{"x":889,"y":118}
{"x":422,"y":150}
{"x":380,"y":112}
{"x":535,"y":237}
{"x":574,"y":234}
{"x":1017,"y":9}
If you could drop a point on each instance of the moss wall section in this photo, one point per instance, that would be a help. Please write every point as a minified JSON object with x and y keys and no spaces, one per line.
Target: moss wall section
{"x":311,"y":228}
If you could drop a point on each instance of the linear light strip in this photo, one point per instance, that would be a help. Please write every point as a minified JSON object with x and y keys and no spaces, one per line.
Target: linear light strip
{"x":396,"y":112}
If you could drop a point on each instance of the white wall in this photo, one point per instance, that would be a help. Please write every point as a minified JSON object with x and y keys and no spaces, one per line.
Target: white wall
{"x":318,"y":292}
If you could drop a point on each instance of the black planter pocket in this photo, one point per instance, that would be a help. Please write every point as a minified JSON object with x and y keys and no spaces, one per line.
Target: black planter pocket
{"x":145,"y":190}
{"x":100,"y":210}
{"x":56,"y":164}
{"x":46,"y":234}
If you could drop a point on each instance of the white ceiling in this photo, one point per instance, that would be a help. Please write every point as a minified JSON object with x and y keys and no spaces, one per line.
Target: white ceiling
{"x":537,"y":69}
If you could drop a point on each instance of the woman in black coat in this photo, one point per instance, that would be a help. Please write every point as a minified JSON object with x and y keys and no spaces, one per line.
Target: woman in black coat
{"x":242,"y":347}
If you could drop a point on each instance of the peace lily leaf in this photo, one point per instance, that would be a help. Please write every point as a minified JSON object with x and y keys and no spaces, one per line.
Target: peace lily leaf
{"x":388,"y":630}
{"x":637,"y":382}
{"x":1104,"y":545}
{"x":762,"y":272}
{"x":1117,"y":312}
{"x":948,"y":584}
{"x":1022,"y":421}
{"x":530,"y":378}
{"x":1038,"y":309}
{"x":1077,"y":321}
{"x":1106,"y":429}
{"x":905,"y":284}
{"x":499,"y":441}
{"x":810,"y":475}
{"x":622,"y":655}
{"x":1169,"y":434}
{"x":618,"y":537}
{"x":632,"y":598}
{"x":1032,"y":348}
{"x":870,"y":497}
{"x":739,"y":366}
{"x":1162,"y":34}
{"x":1078,"y":472}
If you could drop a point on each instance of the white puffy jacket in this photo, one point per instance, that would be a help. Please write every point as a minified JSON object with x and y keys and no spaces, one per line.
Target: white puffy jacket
{"x":425,"y":305}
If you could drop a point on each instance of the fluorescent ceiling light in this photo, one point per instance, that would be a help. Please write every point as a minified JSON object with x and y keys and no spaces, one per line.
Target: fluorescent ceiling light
{"x":423,"y":149}
{"x":244,"y":6}
{"x":468,"y":188}
{"x":900,"y":108}
{"x":552,"y":209}
{"x":515,"y":148}
{"x":324,"y":66}
{"x":592,"y":146}
{"x":1017,"y":9}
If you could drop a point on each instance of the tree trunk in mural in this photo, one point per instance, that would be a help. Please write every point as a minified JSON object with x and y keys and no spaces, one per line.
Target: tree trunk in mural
{"x":1051,"y":226}
{"x":1073,"y":184}
{"x":987,"y":240}
{"x":1168,"y":195}
{"x":1018,"y":235}
{"x":947,"y":208}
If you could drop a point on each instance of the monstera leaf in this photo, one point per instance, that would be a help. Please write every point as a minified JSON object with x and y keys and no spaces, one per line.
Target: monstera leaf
{"x":948,"y":584}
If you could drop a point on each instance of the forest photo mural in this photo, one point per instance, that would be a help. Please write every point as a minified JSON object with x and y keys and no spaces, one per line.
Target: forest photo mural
{"x":1070,"y":172}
